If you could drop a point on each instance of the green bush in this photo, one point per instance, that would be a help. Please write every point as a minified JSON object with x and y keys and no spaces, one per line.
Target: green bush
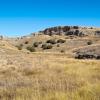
{"x":61,"y":41}
{"x":47,"y":46}
{"x":31,"y":49}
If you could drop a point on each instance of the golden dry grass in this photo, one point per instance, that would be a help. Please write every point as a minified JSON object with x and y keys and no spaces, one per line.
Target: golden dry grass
{"x":48,"y":76}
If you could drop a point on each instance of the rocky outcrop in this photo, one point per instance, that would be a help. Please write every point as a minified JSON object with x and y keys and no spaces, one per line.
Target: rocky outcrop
{"x":65,"y":30}
{"x":97,"y":33}
{"x":90,"y":52}
{"x":87,"y":56}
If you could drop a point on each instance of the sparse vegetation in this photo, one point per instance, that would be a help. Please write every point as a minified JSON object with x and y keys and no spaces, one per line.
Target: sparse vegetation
{"x":51,"y":41}
{"x":66,"y":28}
{"x":62,"y":51}
{"x":58,"y":45}
{"x":20,"y":47}
{"x":57,"y":78}
{"x":36,"y":44}
{"x":26,"y":42}
{"x":31,"y":48}
{"x":51,"y":73}
{"x":89,"y":43}
{"x":75,"y":27}
{"x":61,"y":41}
{"x":47,"y":46}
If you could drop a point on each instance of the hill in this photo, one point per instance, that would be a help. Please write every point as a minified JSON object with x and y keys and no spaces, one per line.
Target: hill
{"x":61,"y":39}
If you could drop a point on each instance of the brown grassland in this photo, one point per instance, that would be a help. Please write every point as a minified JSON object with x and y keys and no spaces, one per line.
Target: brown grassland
{"x":51,"y":73}
{"x":49,"y":77}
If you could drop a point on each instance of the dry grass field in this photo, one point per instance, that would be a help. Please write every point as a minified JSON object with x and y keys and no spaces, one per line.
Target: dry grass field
{"x":47,"y":76}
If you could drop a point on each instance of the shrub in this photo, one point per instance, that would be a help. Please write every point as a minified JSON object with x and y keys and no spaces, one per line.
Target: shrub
{"x":47,"y":46}
{"x":89,"y":42}
{"x":20,"y":47}
{"x":76,"y":32}
{"x":61,"y":41}
{"x":97,"y":31}
{"x":58,"y":45}
{"x":75,"y":27}
{"x":81,"y":34}
{"x":55,"y":29}
{"x":26,"y":42}
{"x":69,"y":33}
{"x":31,"y":49}
{"x":91,"y":27}
{"x":66,"y":28}
{"x":36,"y":44}
{"x":97,"y":57}
{"x":62,"y":51}
{"x":52,"y":41}
{"x":40,"y":42}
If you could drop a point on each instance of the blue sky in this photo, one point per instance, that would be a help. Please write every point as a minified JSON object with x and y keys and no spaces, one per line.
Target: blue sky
{"x":20,"y":17}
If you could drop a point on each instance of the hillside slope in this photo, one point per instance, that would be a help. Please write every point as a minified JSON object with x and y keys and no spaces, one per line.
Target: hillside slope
{"x":59,"y":39}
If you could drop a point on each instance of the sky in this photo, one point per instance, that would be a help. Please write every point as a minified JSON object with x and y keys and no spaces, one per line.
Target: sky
{"x":22,"y":17}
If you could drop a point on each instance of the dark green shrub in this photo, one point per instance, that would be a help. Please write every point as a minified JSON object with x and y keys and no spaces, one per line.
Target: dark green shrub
{"x":69,"y":33}
{"x":47,"y":46}
{"x":76,"y":32}
{"x":52,"y":41}
{"x":61,"y":41}
{"x":66,"y":28}
{"x":36,"y":44}
{"x":75,"y":27}
{"x":31,"y":49}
